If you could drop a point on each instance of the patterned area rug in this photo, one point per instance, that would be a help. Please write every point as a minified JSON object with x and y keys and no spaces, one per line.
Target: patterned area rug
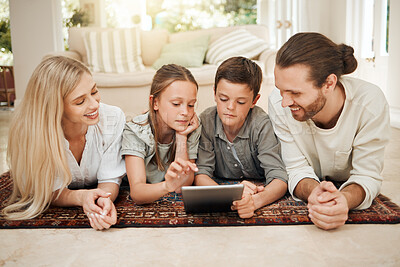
{"x":169,"y":212}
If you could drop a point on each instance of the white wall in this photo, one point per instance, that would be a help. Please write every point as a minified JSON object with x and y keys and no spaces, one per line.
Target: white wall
{"x":393,"y":88}
{"x":36,"y":30}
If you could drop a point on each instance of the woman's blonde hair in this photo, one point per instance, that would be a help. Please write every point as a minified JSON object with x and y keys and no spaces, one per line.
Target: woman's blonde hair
{"x":36,"y":145}
{"x":164,"y":77}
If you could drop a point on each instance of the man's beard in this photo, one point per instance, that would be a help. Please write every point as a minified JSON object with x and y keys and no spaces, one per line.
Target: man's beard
{"x":312,"y":109}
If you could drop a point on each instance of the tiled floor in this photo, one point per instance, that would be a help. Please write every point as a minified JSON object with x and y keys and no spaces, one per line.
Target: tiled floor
{"x":351,"y":245}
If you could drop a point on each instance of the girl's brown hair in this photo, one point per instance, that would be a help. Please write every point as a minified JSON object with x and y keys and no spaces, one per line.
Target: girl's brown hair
{"x":164,"y":77}
{"x":316,"y":51}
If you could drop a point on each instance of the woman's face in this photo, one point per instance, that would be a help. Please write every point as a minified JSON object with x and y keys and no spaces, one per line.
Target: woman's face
{"x":175,"y":105}
{"x":81,"y":106}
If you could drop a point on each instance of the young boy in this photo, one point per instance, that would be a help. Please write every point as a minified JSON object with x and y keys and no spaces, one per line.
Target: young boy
{"x":237,"y":139}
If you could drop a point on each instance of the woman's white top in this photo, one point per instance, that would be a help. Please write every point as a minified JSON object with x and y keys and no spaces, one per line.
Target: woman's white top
{"x":101,"y":158}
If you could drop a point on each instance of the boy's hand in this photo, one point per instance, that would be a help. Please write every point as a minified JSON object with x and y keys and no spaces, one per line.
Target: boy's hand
{"x":245,"y":207}
{"x":193,"y":125}
{"x":250,"y":188}
{"x":177,"y":174}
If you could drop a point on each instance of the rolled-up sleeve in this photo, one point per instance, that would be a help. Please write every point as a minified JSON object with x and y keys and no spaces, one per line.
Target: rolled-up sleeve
{"x":112,"y":166}
{"x":269,"y":153}
{"x":132,"y":145}
{"x":297,"y":166}
{"x":205,"y":156}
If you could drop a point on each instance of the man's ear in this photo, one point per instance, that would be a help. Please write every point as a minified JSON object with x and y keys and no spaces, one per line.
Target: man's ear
{"x":215,"y":94}
{"x":330,"y":83}
{"x":154,"y":101}
{"x":255,"y":100}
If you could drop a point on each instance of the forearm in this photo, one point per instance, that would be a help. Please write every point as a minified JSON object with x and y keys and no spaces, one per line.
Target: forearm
{"x":68,"y":198}
{"x":304,"y":188}
{"x":112,"y":188}
{"x":143,"y":193}
{"x":272,"y":192}
{"x":354,"y":194}
{"x":203,"y":179}
{"x":181,"y":147}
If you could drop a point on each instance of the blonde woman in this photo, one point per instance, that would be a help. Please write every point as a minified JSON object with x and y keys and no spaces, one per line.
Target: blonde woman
{"x":63,"y":140}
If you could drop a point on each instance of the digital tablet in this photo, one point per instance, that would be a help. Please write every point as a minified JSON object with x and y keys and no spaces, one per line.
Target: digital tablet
{"x":215,"y":198}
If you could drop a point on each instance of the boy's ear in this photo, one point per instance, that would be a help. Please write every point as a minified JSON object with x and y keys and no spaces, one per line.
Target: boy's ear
{"x":255,"y":100}
{"x":215,"y":94}
{"x":154,"y":101}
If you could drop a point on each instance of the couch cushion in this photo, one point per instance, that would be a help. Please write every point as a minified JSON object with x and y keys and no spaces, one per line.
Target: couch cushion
{"x":114,"y":51}
{"x":236,"y":43}
{"x":187,"y":54}
{"x":204,"y":75}
{"x":129,"y":79}
{"x":152,"y":43}
{"x":261,"y":31}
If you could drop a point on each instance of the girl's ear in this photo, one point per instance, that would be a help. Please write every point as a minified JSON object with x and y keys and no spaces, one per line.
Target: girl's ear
{"x":153,"y":102}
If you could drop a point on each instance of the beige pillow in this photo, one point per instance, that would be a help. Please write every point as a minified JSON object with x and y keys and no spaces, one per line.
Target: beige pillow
{"x":237,"y":43}
{"x":115,"y":50}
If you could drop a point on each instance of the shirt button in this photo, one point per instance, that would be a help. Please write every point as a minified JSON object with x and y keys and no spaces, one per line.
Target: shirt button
{"x":229,"y":148}
{"x":235,"y":165}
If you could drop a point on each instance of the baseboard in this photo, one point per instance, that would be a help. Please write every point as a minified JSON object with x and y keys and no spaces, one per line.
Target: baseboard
{"x":395,"y":117}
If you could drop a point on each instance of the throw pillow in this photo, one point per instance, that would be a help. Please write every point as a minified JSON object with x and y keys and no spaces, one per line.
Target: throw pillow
{"x":236,"y":43}
{"x":116,"y":50}
{"x":187,"y":54}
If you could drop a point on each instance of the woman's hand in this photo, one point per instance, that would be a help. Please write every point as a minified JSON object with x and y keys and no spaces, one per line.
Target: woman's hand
{"x":193,"y":125}
{"x":108,"y":216}
{"x":97,"y":213}
{"x":177,"y":174}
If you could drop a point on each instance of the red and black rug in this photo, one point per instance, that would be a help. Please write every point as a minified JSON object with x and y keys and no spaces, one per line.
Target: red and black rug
{"x":169,"y":212}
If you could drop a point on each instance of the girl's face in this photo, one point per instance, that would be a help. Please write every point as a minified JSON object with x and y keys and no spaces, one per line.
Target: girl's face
{"x":175,"y":105}
{"x":81,"y":106}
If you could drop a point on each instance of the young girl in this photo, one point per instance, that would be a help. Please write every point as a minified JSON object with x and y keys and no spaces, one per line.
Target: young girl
{"x":62,"y":136}
{"x":160,"y":146}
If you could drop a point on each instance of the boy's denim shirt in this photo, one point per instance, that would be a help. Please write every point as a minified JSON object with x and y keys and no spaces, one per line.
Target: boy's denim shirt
{"x":256,"y":145}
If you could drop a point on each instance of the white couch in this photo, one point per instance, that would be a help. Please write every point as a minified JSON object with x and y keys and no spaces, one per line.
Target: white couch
{"x":130,"y":91}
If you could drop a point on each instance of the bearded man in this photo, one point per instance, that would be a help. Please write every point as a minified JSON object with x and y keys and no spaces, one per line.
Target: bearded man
{"x":333,"y":129}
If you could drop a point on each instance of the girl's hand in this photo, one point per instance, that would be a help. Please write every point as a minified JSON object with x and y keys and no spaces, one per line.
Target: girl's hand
{"x":193,"y":125}
{"x":108,"y":216}
{"x":177,"y":174}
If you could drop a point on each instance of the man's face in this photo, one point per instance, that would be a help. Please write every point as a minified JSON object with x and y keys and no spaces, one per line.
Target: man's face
{"x":298,"y":92}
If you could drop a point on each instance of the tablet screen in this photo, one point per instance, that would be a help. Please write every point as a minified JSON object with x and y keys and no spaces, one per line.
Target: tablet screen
{"x":216,"y":198}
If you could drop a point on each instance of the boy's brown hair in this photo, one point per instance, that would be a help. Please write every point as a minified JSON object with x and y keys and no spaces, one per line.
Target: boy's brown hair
{"x":240,"y":70}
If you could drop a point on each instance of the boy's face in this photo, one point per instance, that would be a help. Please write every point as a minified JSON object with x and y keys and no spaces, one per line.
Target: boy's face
{"x":234,"y":100}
